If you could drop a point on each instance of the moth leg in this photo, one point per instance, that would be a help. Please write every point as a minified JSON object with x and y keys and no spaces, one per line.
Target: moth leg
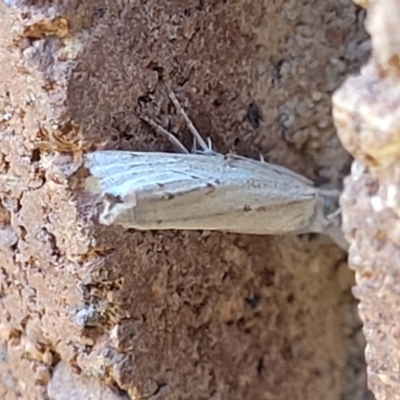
{"x":92,"y":212}
{"x":166,"y":134}
{"x":208,"y":152}
{"x":189,"y":123}
{"x":335,"y":214}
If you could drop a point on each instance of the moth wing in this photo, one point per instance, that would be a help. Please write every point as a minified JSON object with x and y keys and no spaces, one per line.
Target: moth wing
{"x":279,"y":169}
{"x":119,"y":173}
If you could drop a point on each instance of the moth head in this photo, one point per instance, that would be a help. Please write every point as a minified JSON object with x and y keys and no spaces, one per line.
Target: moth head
{"x":113,"y":208}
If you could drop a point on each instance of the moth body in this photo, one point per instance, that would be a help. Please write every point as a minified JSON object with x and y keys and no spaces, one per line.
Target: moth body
{"x":207,"y":191}
{"x":210,"y":192}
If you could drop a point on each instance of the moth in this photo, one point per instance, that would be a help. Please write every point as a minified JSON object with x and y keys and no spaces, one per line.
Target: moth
{"x":206,"y":190}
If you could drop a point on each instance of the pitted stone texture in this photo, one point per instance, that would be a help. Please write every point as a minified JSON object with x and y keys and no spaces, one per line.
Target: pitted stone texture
{"x":367,"y":114}
{"x":173,"y":314}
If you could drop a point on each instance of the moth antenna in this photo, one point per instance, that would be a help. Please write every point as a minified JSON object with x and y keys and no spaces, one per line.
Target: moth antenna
{"x":209,"y":144}
{"x":172,"y":138}
{"x":189,"y":123}
{"x":194,"y":146}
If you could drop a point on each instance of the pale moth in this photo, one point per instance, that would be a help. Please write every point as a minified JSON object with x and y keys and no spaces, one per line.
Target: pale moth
{"x":208,"y":191}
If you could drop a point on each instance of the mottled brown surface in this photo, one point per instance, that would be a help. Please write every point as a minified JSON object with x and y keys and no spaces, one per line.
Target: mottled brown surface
{"x":367,"y":114}
{"x":171,"y":315}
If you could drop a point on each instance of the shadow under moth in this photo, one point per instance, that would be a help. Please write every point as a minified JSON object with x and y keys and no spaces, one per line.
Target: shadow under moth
{"x":206,"y":190}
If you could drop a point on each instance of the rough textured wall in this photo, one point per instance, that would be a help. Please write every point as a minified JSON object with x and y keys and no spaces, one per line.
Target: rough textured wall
{"x":171,"y":315}
{"x":367,"y":114}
